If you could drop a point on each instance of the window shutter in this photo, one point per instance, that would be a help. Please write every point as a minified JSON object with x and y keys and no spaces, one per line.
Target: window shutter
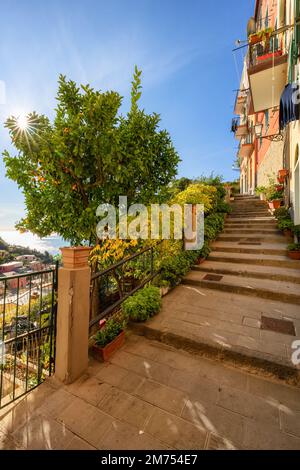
{"x":297,"y":22}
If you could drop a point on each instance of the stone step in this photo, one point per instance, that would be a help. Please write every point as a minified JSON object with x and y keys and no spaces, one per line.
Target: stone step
{"x":250,"y":220}
{"x":263,"y":248}
{"x":248,"y":270}
{"x":258,"y":231}
{"x":252,"y":258}
{"x":238,"y":237}
{"x":264,"y":288}
{"x":251,"y":224}
{"x":246,"y":198}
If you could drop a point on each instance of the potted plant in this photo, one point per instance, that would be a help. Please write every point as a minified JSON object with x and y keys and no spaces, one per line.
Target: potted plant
{"x":283,"y":173}
{"x":109,"y":338}
{"x":294,"y":251}
{"x":274,"y":198}
{"x":261,"y":192}
{"x":286,"y":225}
{"x":279,"y":187}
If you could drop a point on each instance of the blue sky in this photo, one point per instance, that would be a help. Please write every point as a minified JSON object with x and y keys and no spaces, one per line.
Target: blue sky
{"x":184,"y":48}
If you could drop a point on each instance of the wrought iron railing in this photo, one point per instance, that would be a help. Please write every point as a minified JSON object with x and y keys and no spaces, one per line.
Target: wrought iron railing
{"x":27,"y":331}
{"x":270,"y":47}
{"x":112,"y":286}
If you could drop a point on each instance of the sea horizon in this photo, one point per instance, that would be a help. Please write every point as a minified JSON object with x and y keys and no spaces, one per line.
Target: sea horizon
{"x":52,"y":243}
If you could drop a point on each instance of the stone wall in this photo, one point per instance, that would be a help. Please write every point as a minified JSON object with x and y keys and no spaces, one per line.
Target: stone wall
{"x":272,"y":162}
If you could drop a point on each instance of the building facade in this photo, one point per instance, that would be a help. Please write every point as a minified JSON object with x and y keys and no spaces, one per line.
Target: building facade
{"x":267,"y":123}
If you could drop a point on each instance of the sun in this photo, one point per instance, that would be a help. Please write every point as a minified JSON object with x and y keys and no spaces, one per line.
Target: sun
{"x":22,"y":122}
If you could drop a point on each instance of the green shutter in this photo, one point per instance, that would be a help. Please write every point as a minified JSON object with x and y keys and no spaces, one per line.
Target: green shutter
{"x":297,"y":22}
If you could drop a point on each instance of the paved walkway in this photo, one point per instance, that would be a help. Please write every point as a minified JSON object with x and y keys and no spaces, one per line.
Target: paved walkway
{"x":151,"y":396}
{"x":243,"y":302}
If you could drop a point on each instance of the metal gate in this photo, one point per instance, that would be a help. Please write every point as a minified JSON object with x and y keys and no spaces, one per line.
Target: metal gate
{"x":28,"y":305}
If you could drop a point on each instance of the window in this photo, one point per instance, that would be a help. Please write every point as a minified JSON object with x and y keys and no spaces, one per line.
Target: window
{"x":267,"y":18}
{"x":267,"y":120}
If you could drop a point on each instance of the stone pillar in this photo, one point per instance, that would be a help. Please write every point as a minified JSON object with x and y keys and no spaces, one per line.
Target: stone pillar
{"x":73,"y":314}
{"x":228,"y":192}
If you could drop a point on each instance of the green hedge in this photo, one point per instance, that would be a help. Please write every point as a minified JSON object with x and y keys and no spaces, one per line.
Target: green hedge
{"x":142,"y":305}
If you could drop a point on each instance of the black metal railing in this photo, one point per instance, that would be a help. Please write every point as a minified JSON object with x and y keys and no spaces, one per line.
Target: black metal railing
{"x":269,"y":48}
{"x":237,"y":122}
{"x":110,"y":287}
{"x":234,"y":125}
{"x":27,"y":331}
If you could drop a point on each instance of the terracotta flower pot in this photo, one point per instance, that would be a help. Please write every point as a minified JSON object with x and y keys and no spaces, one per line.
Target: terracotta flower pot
{"x":281,"y":179}
{"x":283,"y":173}
{"x":104,"y":354}
{"x":288,"y":233}
{"x":294,"y":255}
{"x":275,"y":204}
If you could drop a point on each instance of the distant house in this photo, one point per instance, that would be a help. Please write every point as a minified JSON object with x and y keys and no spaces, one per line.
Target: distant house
{"x":9,"y":267}
{"x":26,"y":258}
{"x":15,"y":282}
{"x":36,"y":265}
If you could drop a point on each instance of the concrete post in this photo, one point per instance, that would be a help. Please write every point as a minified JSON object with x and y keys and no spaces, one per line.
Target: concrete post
{"x":73,"y":314}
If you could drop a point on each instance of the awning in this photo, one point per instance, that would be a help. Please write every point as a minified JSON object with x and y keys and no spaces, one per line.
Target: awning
{"x":289,"y":105}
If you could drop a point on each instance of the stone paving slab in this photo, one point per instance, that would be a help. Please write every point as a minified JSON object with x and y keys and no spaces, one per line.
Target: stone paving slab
{"x":226,"y":324}
{"x":199,"y":404}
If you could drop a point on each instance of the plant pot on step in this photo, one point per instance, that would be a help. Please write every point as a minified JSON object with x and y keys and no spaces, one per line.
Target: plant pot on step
{"x":295,"y":255}
{"x":105,"y":353}
{"x":280,"y":179}
{"x":274,"y":204}
{"x":288,"y":233}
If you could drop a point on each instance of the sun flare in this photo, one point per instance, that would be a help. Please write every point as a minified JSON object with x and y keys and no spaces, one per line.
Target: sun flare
{"x":22,"y":122}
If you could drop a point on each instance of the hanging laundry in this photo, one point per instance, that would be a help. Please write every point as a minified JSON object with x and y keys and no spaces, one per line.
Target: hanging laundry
{"x":289,"y":105}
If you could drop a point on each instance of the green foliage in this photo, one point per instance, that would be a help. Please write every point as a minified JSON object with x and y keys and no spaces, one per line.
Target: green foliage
{"x":174,"y":268}
{"x":260,"y":190}
{"x":285,"y":224}
{"x":213,"y":225}
{"x":205,"y":250}
{"x":296,"y":230}
{"x":282,"y":212}
{"x":110,"y":331}
{"x":224,"y":207}
{"x":294,"y":247}
{"x":142,"y":305}
{"x":198,"y":194}
{"x":89,"y":155}
{"x":3,"y":245}
{"x":215,"y":181}
{"x":273,"y":194}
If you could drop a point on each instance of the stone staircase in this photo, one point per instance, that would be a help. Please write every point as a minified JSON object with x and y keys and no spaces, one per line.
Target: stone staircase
{"x":250,"y":257}
{"x":242,"y":304}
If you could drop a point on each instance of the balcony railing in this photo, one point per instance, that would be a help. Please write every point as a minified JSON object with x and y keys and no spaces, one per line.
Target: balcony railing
{"x":266,"y":51}
{"x":239,"y":126}
{"x":240,"y":101}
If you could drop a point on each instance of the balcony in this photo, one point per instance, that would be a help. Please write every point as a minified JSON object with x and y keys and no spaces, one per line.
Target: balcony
{"x":239,"y":127}
{"x":240,"y":101}
{"x":246,"y":147}
{"x":267,"y":70}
